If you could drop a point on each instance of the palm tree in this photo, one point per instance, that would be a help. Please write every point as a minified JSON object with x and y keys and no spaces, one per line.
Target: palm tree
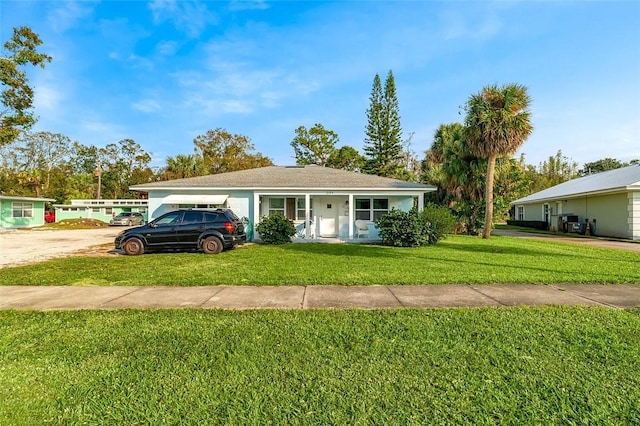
{"x":458,"y":173}
{"x":184,"y":166}
{"x":497,"y":123}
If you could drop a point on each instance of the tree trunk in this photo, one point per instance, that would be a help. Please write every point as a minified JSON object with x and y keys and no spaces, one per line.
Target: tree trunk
{"x":488,"y":214}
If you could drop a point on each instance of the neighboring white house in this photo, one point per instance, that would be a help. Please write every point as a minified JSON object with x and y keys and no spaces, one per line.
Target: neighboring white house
{"x":329,"y":200}
{"x":609,"y":200}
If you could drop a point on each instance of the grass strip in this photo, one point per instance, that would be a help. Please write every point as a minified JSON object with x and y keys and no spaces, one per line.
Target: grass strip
{"x":552,"y":365}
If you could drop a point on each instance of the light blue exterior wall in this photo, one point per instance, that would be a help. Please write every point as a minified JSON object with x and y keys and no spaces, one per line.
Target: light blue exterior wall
{"x":242,"y":202}
{"x":6,"y":213}
{"x":336,"y":208}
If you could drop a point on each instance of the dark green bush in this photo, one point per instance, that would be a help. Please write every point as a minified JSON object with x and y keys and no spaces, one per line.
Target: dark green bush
{"x":276,"y":229}
{"x":441,"y":219}
{"x":403,"y":229}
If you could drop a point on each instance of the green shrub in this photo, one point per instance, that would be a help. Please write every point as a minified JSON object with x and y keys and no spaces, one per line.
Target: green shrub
{"x":441,"y":219}
{"x":276,"y":229}
{"x":403,"y":229}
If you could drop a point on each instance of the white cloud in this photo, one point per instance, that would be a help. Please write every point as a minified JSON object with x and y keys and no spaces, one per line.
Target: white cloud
{"x":236,"y":89}
{"x":189,"y":17}
{"x":69,"y":13}
{"x":167,"y":48}
{"x":460,"y":26}
{"x":240,"y":5}
{"x":236,"y":106}
{"x":133,"y":60}
{"x":271,"y":99}
{"x":244,"y":83}
{"x":48,"y":98}
{"x":121,"y":34}
{"x":147,"y":105}
{"x":210,"y":107}
{"x":100,"y":127}
{"x":140,"y":62}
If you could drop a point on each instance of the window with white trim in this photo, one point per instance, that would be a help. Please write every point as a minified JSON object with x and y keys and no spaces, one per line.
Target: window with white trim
{"x":520,"y":213}
{"x":371,"y":208}
{"x":276,"y":205}
{"x":300,"y":208}
{"x":22,"y":209}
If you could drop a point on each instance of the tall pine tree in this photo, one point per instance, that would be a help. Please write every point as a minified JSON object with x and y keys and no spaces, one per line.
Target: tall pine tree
{"x":383,"y":144}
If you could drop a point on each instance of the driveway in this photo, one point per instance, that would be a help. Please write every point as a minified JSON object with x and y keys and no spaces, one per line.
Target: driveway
{"x":593,"y":242}
{"x":20,"y":247}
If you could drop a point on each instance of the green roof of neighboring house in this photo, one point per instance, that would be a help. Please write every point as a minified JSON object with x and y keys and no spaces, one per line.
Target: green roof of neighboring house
{"x":281,"y":177}
{"x":12,"y":198}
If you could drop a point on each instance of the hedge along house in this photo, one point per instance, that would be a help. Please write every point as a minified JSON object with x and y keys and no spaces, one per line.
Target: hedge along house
{"x":321,"y":201}
{"x":22,"y":212}
{"x":609,"y":200}
{"x":103,"y":210}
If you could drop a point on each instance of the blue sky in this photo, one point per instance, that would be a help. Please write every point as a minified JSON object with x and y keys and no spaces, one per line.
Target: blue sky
{"x":163,"y":72}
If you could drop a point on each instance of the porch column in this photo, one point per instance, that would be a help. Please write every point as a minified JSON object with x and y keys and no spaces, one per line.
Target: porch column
{"x":307,"y":216}
{"x":352,"y":209}
{"x":420,"y":201}
{"x":256,"y":212}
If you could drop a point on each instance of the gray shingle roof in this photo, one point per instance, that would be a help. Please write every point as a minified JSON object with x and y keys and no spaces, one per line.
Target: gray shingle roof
{"x":307,"y":177}
{"x":611,"y":180}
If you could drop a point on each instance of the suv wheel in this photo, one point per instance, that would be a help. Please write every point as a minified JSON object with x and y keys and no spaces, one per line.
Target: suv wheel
{"x":212,"y":245}
{"x":133,"y":247}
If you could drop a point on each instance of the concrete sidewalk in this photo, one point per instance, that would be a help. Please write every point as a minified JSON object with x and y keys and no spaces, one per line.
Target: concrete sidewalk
{"x":317,"y":297}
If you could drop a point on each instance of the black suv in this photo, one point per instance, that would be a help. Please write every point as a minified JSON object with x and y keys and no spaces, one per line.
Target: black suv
{"x":208,"y":230}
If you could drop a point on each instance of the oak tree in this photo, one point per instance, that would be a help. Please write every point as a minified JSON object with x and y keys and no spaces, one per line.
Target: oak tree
{"x":17,"y":95}
{"x":315,"y":145}
{"x":224,"y":152}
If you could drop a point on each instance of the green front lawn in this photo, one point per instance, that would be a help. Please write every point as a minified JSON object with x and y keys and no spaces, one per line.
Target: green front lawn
{"x":395,"y":367}
{"x":458,"y":259}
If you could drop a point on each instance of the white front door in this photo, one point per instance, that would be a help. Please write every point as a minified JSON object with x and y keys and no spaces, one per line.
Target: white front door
{"x":326,"y":210}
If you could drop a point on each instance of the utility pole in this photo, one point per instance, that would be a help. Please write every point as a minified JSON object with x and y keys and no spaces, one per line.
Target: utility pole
{"x":98,"y":173}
